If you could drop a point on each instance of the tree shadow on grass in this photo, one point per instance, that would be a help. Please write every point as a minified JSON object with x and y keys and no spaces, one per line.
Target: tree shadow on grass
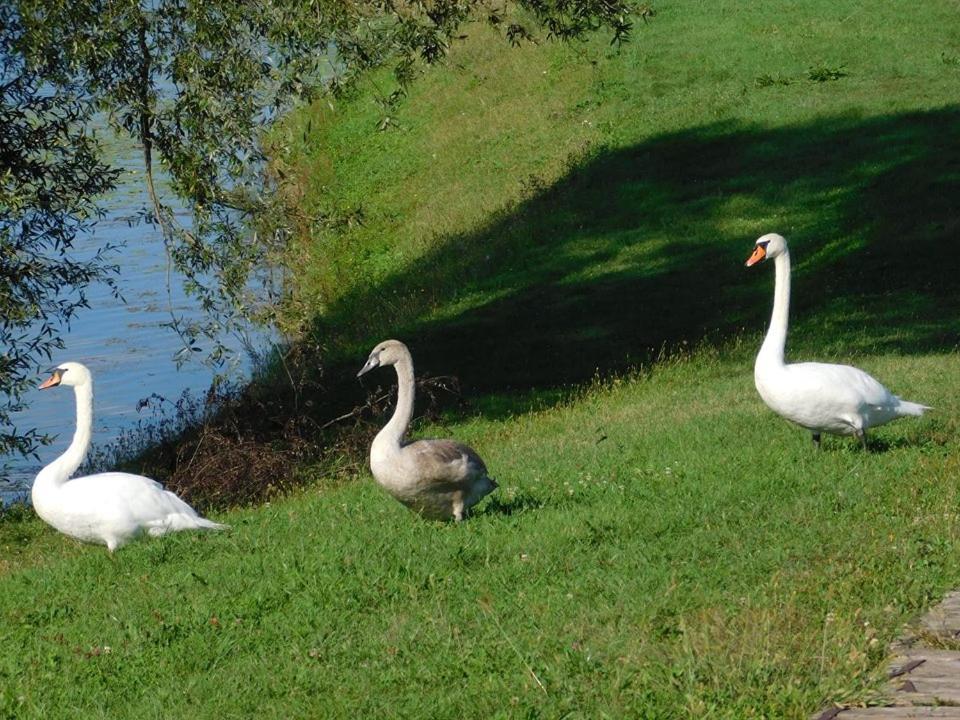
{"x":633,"y":251}
{"x":642,"y":248}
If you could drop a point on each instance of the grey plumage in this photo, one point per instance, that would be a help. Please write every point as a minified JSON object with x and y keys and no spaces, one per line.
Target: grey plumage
{"x":437,"y":478}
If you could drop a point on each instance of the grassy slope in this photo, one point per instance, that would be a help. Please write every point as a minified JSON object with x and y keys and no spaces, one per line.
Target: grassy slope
{"x":567,"y":195}
{"x":662,"y":546}
{"x":709,"y":565}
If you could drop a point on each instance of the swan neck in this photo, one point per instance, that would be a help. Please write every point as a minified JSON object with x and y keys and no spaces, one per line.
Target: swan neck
{"x":776,"y":340}
{"x":397,"y":427}
{"x":64,"y":466}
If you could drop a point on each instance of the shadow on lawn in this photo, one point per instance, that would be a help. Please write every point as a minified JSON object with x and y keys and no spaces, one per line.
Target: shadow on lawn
{"x":633,"y":251}
{"x":643,"y":248}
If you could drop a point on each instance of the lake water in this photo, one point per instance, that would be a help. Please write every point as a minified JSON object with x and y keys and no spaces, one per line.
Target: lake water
{"x":125,"y":345}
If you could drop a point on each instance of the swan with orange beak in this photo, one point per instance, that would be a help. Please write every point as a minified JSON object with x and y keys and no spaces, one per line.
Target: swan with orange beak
{"x":107,"y":508}
{"x":821,"y":397}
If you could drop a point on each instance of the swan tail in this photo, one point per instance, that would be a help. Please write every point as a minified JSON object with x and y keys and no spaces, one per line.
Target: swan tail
{"x":482,"y":487}
{"x":911,"y":408}
{"x":176,"y":522}
{"x":204,"y":524}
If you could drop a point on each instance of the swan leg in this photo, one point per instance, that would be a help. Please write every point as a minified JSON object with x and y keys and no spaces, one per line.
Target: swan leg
{"x":862,"y":437}
{"x":459,"y":512}
{"x":816,"y":440}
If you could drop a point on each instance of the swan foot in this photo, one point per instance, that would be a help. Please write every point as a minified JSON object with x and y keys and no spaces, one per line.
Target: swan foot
{"x":816,"y":440}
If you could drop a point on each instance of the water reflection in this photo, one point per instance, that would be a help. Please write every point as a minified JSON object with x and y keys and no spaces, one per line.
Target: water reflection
{"x":125,"y":345}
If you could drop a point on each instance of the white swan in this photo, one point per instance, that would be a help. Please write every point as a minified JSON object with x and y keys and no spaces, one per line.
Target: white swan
{"x":439,"y":479}
{"x":107,"y":508}
{"x":821,"y":397}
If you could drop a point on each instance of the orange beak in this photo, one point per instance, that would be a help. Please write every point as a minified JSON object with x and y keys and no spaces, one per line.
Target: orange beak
{"x":51,"y":381}
{"x":759,"y":253}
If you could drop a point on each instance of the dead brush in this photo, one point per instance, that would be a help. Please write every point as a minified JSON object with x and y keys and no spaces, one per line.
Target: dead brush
{"x":238,"y":446}
{"x":221,"y":468}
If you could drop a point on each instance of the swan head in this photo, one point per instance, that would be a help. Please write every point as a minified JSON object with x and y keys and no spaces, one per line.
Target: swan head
{"x":68,"y":373}
{"x":389,"y":352}
{"x":768,"y":247}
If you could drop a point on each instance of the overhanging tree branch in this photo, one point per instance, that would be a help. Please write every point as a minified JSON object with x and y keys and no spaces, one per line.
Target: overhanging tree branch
{"x":51,"y":176}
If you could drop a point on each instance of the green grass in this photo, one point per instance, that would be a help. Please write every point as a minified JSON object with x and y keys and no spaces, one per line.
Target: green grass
{"x":661,"y":546}
{"x":538,"y":222}
{"x":575,"y":195}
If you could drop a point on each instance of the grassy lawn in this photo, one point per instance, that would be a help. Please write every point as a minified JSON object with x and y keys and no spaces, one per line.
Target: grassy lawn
{"x":558,"y":196}
{"x":540,"y":222}
{"x":661,"y":546}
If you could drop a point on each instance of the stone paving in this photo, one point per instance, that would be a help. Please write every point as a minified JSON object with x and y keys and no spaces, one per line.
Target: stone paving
{"x":924,"y":672}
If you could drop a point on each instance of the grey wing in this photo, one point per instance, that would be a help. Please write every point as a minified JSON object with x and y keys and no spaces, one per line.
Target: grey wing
{"x":446,"y":460}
